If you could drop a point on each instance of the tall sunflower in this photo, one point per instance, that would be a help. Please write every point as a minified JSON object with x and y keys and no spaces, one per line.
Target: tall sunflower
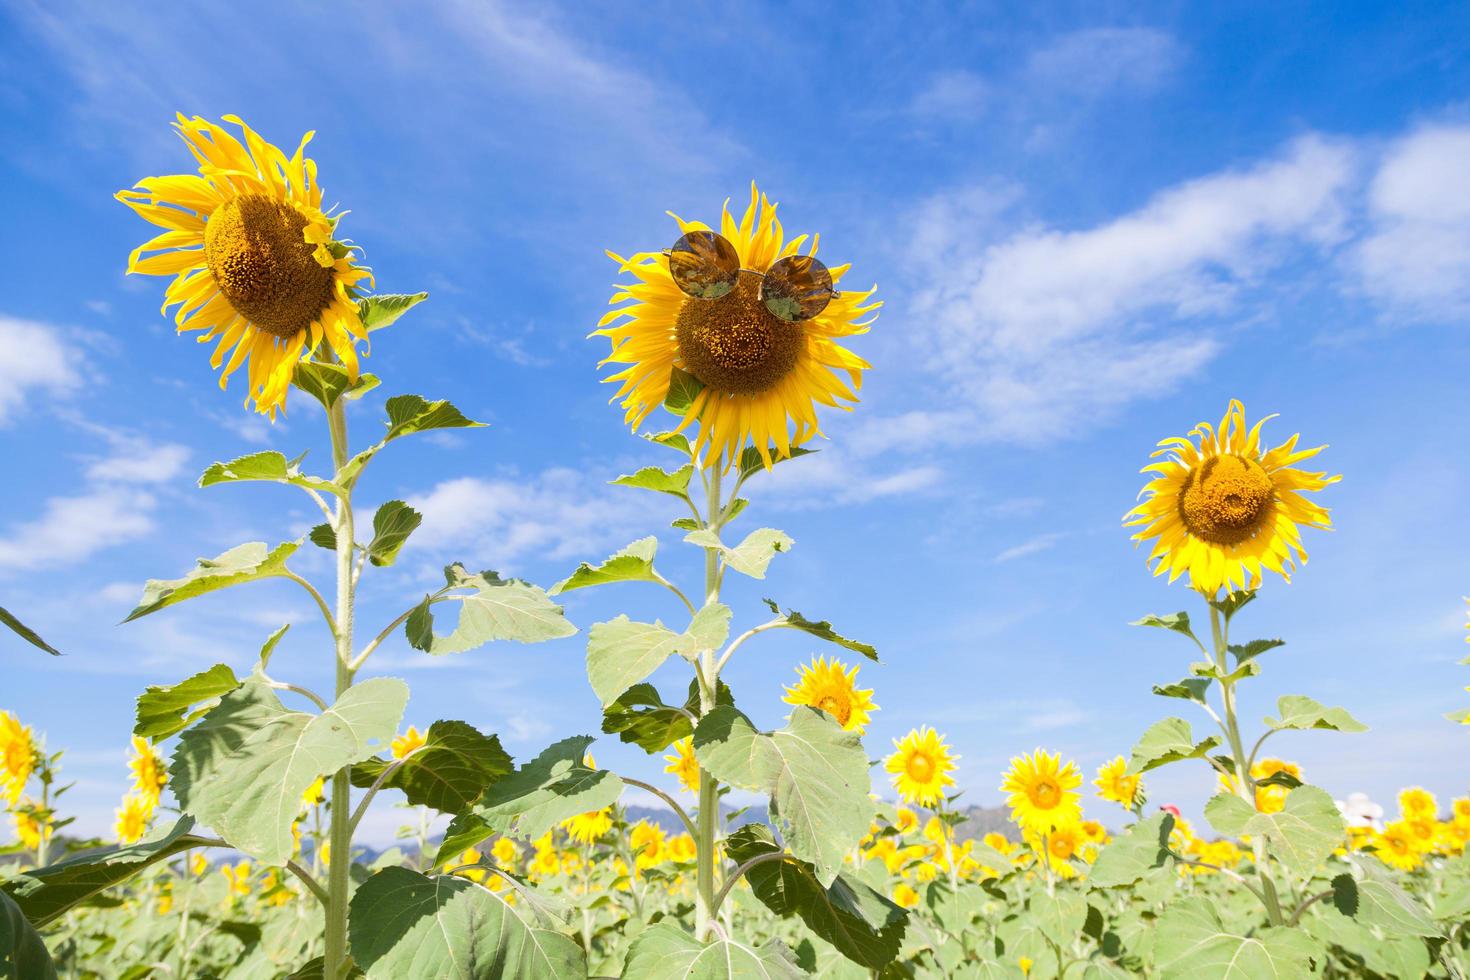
{"x":1043,"y":791}
{"x":254,"y":258}
{"x":921,"y":766}
{"x":832,"y":687}
{"x":17,"y":756}
{"x":762,"y":376}
{"x":149,"y":772}
{"x":1223,"y":507}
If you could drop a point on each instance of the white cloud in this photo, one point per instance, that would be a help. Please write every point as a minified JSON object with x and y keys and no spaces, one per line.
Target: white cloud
{"x":73,"y":528}
{"x":952,"y":95}
{"x":137,"y":461}
{"x":37,"y":361}
{"x":1040,"y":543}
{"x":834,"y":477}
{"x":1416,"y":257}
{"x":1098,"y":60}
{"x":1049,"y":326}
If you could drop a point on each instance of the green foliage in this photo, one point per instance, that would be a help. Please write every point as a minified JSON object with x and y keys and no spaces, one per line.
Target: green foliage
{"x":392,"y":524}
{"x":25,"y":632}
{"x":494,"y":609}
{"x":632,"y":564}
{"x":242,"y":563}
{"x":1170,"y":740}
{"x":243,"y":769}
{"x":1178,"y":622}
{"x":639,"y":716}
{"x":1303,"y":832}
{"x":751,"y":556}
{"x":1193,"y":944}
{"x":166,"y":711}
{"x":815,"y":773}
{"x":1302,"y":713}
{"x":1141,"y":849}
{"x":822,"y":630}
{"x":666,"y":952}
{"x":23,"y":955}
{"x":329,"y":382}
{"x":405,"y":924}
{"x":683,"y":389}
{"x":377,"y":312}
{"x":661,"y":481}
{"x":265,"y":467}
{"x":622,"y":653}
{"x":452,"y":769}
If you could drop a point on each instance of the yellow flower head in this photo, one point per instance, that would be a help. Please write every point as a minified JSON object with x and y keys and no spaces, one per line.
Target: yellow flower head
{"x":1270,"y":798}
{"x":404,"y":744}
{"x":998,"y":841}
{"x":30,"y":830}
{"x":1043,"y":791}
{"x":149,"y":773}
{"x":832,"y":687}
{"x":762,"y":376}
{"x":936,"y":831}
{"x":1222,"y":508}
{"x":585,"y":828}
{"x":646,"y":840}
{"x":905,"y":820}
{"x":683,"y":764}
{"x":546,"y":863}
{"x":682,"y":848}
{"x":133,"y":817}
{"x":198,"y":864}
{"x":1058,"y":846}
{"x":904,"y":895}
{"x":921,"y":766}
{"x":238,"y":876}
{"x":1113,"y":782}
{"x":255,"y":264}
{"x":1417,"y":803}
{"x":1399,"y":847}
{"x":316,"y":793}
{"x":17,"y":756}
{"x":469,"y":856}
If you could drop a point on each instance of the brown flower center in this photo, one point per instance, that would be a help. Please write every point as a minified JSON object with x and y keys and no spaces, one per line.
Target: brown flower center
{"x":836,"y":706}
{"x":1227,"y":500}
{"x":1046,"y":795}
{"x":254,"y":248}
{"x":733,"y":343}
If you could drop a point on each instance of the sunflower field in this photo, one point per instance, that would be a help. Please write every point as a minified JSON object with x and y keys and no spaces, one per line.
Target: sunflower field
{"x":238,"y":850}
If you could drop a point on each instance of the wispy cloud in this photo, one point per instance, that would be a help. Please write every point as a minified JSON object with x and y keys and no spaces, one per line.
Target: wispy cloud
{"x":1101,"y":60}
{"x":37,"y":361}
{"x":1033,"y":546}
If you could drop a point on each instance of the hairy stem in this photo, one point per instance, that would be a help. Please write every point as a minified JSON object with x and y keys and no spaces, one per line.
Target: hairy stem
{"x":340,"y":833}
{"x":709,"y":681}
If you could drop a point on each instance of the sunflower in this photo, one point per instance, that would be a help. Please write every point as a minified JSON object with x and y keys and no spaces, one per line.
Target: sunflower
{"x":410,"y":740}
{"x":1224,"y":508}
{"x":1270,"y":798}
{"x":132,"y":818}
{"x":468,"y":856}
{"x":832,"y":687}
{"x":921,"y":766}
{"x":238,"y":877}
{"x":316,"y":793}
{"x":1398,"y":847}
{"x":905,"y":820}
{"x":1043,"y":792}
{"x":1058,"y":846}
{"x":683,"y":764}
{"x":682,"y":848}
{"x":149,"y":773}
{"x":17,"y":756}
{"x":1418,"y":802}
{"x":646,"y":841}
{"x":29,"y":829}
{"x":506,"y":852}
{"x":761,"y":376}
{"x":1113,"y":783}
{"x":905,"y":896}
{"x":587,"y":827}
{"x":255,"y":263}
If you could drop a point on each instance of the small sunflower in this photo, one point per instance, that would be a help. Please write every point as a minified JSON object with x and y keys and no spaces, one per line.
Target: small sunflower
{"x":584,"y":828}
{"x":1113,"y":782}
{"x":149,"y":772}
{"x":17,"y":756}
{"x":507,"y":853}
{"x":410,"y":740}
{"x":255,"y":263}
{"x":1043,"y":792}
{"x":905,"y":820}
{"x":683,"y":764}
{"x":832,"y":687}
{"x":1398,"y":847}
{"x":1223,"y":508}
{"x":1058,"y":846}
{"x":921,"y":766}
{"x":1418,"y":802}
{"x":29,"y":829}
{"x":646,"y":841}
{"x":905,"y":896}
{"x":316,"y":793}
{"x":762,"y":375}
{"x":132,"y":818}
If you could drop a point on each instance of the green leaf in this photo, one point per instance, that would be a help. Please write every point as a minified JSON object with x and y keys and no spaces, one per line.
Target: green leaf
{"x":751,"y":462}
{"x":639,"y":716}
{"x":166,"y":711}
{"x":405,"y":924}
{"x":632,"y":564}
{"x":1189,"y":689}
{"x":751,"y":556}
{"x":1167,"y":741}
{"x":823,"y":630}
{"x":664,"y":951}
{"x":860,"y":922}
{"x":329,"y":382}
{"x":23,"y":956}
{"x":26,"y":633}
{"x":1300,"y":712}
{"x":1228,"y":814}
{"x":1304,"y":832}
{"x":674,"y":440}
{"x":1345,"y":894}
{"x":683,"y":389}
{"x":377,"y":312}
{"x":536,"y":797}
{"x":815,"y":773}
{"x":653,"y":478}
{"x":46,"y":894}
{"x":1139,"y":850}
{"x":1382,"y":903}
{"x":1233,"y":603}
{"x":1192,"y":944}
{"x":1246,"y":652}
{"x":1178,"y":622}
{"x":243,"y":768}
{"x":1059,"y":917}
{"x":455,"y":765}
{"x":392,"y":524}
{"x":268,"y":648}
{"x":497,"y":609}
{"x":622,"y":652}
{"x":243,"y":563}
{"x":268,"y":467}
{"x":408,"y":414}
{"x":323,"y":536}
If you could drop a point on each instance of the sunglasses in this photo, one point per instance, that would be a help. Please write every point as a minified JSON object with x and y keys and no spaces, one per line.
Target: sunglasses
{"x":706,"y":266}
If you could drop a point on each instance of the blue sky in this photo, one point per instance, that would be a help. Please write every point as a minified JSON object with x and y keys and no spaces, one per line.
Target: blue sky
{"x":1092,"y":226}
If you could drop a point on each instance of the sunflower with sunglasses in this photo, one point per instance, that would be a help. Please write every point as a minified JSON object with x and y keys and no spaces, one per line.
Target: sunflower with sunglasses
{"x":746,"y":324}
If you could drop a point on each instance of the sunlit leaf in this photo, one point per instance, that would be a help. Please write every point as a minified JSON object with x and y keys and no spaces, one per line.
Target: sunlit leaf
{"x":242,"y":563}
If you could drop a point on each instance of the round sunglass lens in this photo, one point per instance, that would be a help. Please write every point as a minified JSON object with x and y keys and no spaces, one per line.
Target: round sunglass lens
{"x":704,"y":265}
{"x":797,"y":287}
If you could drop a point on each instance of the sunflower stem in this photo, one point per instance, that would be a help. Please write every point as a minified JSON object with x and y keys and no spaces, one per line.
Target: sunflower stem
{"x":1244,"y":785}
{"x":709,"y":682}
{"x":339,"y":879}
